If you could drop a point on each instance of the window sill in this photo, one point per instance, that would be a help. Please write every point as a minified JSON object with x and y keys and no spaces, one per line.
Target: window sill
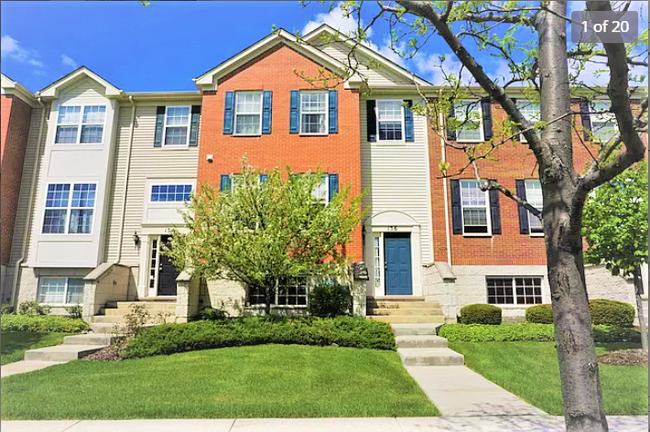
{"x":388,"y":143}
{"x":515,"y":306}
{"x":262,"y":306}
{"x":247,"y":135}
{"x":313,"y":135}
{"x":537,"y":234}
{"x":176,"y":147}
{"x":476,"y":235}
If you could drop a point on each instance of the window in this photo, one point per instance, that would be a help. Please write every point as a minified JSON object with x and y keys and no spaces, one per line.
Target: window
{"x":322,"y":191}
{"x":468,"y":113}
{"x":293,"y":294}
{"x":517,"y":290}
{"x":534,"y":198}
{"x":474,"y":203}
{"x":73,"y":212}
{"x":603,"y":124}
{"x":170,"y":193}
{"x":377,"y":257}
{"x":177,"y":125}
{"x":530,"y":111}
{"x":248,"y":113}
{"x":313,"y":113}
{"x":389,"y":120}
{"x":60,"y":290}
{"x":70,"y":120}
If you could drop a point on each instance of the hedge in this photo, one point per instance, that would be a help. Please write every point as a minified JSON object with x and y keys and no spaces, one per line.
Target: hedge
{"x":358,"y":332}
{"x":611,"y":312}
{"x":480,"y":314}
{"x":528,"y":332}
{"x":44,"y":323}
{"x":540,"y":314}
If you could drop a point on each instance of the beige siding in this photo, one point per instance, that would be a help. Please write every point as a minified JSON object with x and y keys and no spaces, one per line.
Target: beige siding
{"x":397,"y":177}
{"x":83,"y":91}
{"x":23,"y":225}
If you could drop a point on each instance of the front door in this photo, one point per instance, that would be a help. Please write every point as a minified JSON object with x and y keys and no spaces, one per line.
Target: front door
{"x":167,"y":273}
{"x":397,"y":265}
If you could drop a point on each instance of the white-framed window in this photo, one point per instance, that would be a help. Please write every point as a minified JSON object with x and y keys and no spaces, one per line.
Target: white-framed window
{"x":468,"y":113}
{"x":60,"y":290}
{"x":603,"y":124}
{"x":170,"y":192}
{"x":322,"y":190}
{"x":313,"y":113}
{"x":292,"y":294}
{"x":69,"y":213}
{"x":177,"y":125}
{"x":508,"y":290}
{"x":535,"y":199}
{"x":80,"y":124}
{"x":248,"y":113}
{"x":390,"y":120}
{"x":531,"y":112}
{"x":475,"y":205}
{"x":376,"y":247}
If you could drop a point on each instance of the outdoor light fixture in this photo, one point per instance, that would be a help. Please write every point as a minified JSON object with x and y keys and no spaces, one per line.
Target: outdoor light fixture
{"x":136,"y":239}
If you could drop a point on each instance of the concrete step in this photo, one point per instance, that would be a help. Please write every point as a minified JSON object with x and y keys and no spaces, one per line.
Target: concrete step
{"x":430,"y":357}
{"x":89,"y":339}
{"x":126,"y":305}
{"x":413,"y":319}
{"x":109,"y":319}
{"x":415,"y":329}
{"x":421,"y":341}
{"x":102,"y":328}
{"x":403,"y":311}
{"x":62,"y":352}
{"x":400,"y":305}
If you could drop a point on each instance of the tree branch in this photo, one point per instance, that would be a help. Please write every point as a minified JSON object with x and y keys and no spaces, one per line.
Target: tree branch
{"x":629,"y":60}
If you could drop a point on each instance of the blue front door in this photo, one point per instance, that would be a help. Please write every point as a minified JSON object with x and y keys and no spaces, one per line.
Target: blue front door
{"x":397,"y":252}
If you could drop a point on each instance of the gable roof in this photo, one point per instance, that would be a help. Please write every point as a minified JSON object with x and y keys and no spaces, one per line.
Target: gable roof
{"x":209,"y":80}
{"x":9,"y":86}
{"x":81,"y":72}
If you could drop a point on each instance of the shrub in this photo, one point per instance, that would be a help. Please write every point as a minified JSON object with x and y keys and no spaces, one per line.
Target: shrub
{"x":358,"y":332}
{"x":50,"y":323}
{"x":6,"y":309}
{"x":609,"y":334}
{"x":211,"y":314}
{"x":329,"y":300}
{"x":611,"y":312}
{"x":480,"y":314}
{"x":74,"y":311}
{"x":540,"y":314}
{"x":32,"y":308}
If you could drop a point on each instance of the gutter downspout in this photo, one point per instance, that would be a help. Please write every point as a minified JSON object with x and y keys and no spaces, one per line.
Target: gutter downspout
{"x":17,"y":266}
{"x":445,"y":192}
{"x":126,"y":183}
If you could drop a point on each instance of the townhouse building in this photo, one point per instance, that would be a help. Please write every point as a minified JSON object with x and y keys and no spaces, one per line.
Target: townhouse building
{"x":106,"y":174}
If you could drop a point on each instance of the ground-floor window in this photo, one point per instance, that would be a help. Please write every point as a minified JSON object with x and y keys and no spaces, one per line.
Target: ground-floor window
{"x":60,"y":290}
{"x":514,"y":290}
{"x":286,"y":295}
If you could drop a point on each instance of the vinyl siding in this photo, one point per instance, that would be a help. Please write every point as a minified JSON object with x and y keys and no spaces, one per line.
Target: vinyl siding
{"x":396,"y":176}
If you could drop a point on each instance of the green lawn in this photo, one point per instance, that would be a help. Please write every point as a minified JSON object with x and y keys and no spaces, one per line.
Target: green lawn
{"x":530,"y":370}
{"x":245,"y":382}
{"x":14,"y":344}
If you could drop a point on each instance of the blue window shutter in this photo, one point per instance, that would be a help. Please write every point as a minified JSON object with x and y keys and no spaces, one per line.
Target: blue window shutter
{"x":495,"y":212}
{"x":333,"y":186}
{"x":456,"y":209}
{"x":486,"y":109}
{"x":194,"y":125}
{"x":228,"y":113}
{"x":263,"y":178}
{"x":225,"y":183}
{"x":266,"y":111}
{"x":160,"y":122}
{"x":451,"y":133}
{"x":371,"y":121}
{"x":333,"y":112}
{"x":408,"y":122}
{"x":295,"y":114}
{"x":586,"y":120}
{"x":520,"y":186}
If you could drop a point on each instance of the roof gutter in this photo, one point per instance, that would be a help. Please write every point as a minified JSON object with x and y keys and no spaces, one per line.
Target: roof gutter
{"x":126,"y":182}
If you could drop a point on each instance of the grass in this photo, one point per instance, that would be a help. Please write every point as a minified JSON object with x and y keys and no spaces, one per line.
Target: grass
{"x":14,"y":344}
{"x":530,"y":370}
{"x":279,"y":381}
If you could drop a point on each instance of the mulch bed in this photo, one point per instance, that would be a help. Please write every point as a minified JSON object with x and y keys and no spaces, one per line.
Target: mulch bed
{"x":631,"y":357}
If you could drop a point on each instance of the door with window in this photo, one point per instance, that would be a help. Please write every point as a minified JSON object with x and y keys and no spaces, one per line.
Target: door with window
{"x":163,"y":274}
{"x":397,"y":264}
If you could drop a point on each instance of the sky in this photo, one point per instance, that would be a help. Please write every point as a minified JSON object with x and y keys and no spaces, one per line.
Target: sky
{"x":163,"y":46}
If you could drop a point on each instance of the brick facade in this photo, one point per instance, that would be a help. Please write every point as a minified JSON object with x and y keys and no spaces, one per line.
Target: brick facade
{"x":15,"y":116}
{"x":277,"y":70}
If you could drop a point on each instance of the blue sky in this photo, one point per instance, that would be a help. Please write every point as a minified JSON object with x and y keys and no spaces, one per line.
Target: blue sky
{"x":163,"y":46}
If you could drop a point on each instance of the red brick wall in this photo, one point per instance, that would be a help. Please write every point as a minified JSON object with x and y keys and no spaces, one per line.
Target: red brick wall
{"x":16,"y":116}
{"x":513,"y":162}
{"x":336,"y":153}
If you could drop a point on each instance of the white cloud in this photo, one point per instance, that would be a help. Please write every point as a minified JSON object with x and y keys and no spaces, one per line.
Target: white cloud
{"x":335,"y":19}
{"x":68,"y":61}
{"x":10,"y":48}
{"x":431,"y":68}
{"x":388,"y":52}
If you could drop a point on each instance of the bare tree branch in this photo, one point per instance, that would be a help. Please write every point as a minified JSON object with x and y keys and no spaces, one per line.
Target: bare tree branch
{"x":629,"y":60}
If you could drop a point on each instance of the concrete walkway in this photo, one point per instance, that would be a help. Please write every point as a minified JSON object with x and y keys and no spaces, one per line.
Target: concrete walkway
{"x":26,"y":366}
{"x":409,"y":424}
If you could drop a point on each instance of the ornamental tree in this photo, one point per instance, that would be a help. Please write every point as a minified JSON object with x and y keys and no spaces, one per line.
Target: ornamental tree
{"x":265,"y":230}
{"x":615,"y":225}
{"x":531,"y":38}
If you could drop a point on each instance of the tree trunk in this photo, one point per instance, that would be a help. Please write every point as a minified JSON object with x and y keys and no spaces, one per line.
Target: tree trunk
{"x":562,"y":216}
{"x":638,"y":289}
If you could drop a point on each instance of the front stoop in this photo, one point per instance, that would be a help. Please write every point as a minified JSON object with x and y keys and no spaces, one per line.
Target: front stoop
{"x":115,"y":311}
{"x":404,"y":310}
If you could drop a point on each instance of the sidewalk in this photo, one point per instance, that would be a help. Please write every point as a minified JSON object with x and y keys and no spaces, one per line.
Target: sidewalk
{"x":411,"y":424}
